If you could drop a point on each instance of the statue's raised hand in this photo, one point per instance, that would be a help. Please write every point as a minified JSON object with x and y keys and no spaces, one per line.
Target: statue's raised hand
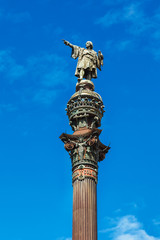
{"x":67,"y":43}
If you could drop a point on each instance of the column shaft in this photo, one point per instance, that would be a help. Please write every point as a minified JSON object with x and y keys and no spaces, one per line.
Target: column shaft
{"x":84,"y":210}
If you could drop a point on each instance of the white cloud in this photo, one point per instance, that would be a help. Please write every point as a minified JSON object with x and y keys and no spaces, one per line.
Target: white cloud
{"x":132,"y":14}
{"x":45,"y":96}
{"x":45,"y":75}
{"x":137,"y":23}
{"x":109,"y":19}
{"x":128,"y":228}
{"x":9,"y":67}
{"x":122,"y":45}
{"x":50,"y":73}
{"x":49,"y":69}
{"x":156,"y":222}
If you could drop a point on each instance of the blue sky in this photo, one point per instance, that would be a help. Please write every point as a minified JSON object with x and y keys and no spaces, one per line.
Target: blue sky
{"x":36,"y":81}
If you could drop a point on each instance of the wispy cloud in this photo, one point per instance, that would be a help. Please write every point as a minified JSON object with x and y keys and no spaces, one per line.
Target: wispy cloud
{"x":45,"y":96}
{"x":109,"y":18}
{"x":15,"y":17}
{"x":121,"y":45}
{"x":64,"y":238}
{"x":115,"y":2}
{"x":49,"y":69}
{"x":132,"y":14}
{"x":137,"y":24}
{"x":46,"y":75}
{"x":19,"y":17}
{"x":128,"y":228}
{"x":51,"y":31}
{"x":9,"y":67}
{"x":7,"y":108}
{"x":156,"y":222}
{"x":50,"y":75}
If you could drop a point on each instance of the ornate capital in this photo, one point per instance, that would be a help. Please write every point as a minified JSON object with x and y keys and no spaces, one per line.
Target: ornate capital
{"x":85,"y":149}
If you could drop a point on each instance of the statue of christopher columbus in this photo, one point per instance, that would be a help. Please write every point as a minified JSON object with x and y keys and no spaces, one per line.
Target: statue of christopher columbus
{"x":88,"y":60}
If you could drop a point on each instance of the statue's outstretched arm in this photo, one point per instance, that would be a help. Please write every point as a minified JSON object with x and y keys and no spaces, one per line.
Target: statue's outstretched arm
{"x":67,"y":43}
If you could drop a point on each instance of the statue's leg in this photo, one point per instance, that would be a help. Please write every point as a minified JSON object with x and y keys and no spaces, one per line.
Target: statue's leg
{"x":81,"y":74}
{"x":89,"y":76}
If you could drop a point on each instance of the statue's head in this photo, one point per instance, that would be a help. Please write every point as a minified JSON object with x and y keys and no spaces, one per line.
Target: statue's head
{"x":89,"y":44}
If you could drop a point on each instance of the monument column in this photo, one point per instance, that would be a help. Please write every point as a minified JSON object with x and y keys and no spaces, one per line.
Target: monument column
{"x":85,"y":110}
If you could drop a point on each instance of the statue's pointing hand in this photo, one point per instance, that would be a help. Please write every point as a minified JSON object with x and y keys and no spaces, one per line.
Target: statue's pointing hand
{"x":65,"y":42}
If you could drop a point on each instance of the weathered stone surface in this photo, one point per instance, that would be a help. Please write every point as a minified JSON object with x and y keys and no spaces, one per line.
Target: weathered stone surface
{"x":85,"y":110}
{"x":88,"y":60}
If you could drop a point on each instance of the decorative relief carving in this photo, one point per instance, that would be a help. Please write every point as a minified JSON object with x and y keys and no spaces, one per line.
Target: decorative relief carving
{"x":85,"y":108}
{"x":85,"y":151}
{"x":82,"y":147}
{"x":81,"y":174}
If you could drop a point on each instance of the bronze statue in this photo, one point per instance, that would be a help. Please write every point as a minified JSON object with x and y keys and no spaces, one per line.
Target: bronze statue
{"x":88,"y":60}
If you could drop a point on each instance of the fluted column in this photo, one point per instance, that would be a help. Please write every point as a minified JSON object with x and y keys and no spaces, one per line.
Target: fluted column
{"x":84,"y":210}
